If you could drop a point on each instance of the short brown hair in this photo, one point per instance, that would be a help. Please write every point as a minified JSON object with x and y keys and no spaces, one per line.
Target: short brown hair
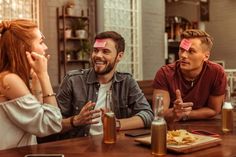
{"x":202,"y":35}
{"x":116,"y":37}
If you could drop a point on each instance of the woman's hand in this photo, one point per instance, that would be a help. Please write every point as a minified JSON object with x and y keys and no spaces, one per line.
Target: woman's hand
{"x":37,"y":62}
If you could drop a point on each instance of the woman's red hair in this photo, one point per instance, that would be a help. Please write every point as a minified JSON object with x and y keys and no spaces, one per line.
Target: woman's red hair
{"x":16,"y":39}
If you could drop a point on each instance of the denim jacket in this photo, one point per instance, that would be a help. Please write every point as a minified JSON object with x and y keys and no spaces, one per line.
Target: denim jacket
{"x":80,"y":86}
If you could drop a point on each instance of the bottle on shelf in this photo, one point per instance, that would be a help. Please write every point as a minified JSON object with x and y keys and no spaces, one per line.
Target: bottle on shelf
{"x":227,"y":113}
{"x":158,"y":128}
{"x":109,"y":121}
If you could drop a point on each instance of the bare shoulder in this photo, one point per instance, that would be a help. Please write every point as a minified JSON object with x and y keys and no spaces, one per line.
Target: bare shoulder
{"x":13,"y":86}
{"x":12,"y":79}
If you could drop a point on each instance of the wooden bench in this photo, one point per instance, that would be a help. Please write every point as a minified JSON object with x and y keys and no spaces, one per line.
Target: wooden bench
{"x":146,"y":87}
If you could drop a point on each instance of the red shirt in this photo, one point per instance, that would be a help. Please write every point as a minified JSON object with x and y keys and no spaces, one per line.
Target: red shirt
{"x":211,"y":82}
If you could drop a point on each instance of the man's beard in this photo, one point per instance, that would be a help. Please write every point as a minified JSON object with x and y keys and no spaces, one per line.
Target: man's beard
{"x":106,"y":70}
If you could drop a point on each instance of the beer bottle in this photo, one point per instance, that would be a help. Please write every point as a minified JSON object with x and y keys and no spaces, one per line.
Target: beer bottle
{"x":109,"y":121}
{"x":158,"y":129}
{"x":227,"y":113}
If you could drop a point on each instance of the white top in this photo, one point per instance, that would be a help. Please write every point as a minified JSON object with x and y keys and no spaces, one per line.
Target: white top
{"x":97,"y":129}
{"x":24,"y":118}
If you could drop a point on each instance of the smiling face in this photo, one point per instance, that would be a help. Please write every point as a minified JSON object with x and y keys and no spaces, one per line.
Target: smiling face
{"x":193,"y":59}
{"x":105,"y":56}
{"x":38,"y":44}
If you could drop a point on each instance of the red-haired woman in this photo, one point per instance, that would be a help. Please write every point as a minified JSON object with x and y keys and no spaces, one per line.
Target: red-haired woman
{"x":27,"y":108}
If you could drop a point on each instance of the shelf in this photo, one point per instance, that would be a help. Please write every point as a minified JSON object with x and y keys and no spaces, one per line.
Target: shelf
{"x":173,"y":43}
{"x":76,"y":38}
{"x":72,"y":41}
{"x":74,"y":17}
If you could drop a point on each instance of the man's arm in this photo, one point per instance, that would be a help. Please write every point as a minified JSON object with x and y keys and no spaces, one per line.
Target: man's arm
{"x":213,"y":108}
{"x":141,"y":112}
{"x":179,"y":110}
{"x":214,"y":103}
{"x":131,"y":123}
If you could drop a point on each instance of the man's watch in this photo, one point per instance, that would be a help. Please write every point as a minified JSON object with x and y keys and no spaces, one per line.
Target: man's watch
{"x":118,"y":125}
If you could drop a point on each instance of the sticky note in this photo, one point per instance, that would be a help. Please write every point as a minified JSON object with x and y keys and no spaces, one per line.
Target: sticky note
{"x":185,"y":44}
{"x":99,"y":43}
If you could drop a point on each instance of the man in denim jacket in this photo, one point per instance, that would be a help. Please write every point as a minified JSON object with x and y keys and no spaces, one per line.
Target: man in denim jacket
{"x":81,"y":95}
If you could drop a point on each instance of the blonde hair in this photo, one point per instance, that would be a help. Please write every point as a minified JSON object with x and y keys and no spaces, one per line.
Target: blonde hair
{"x":16,"y":38}
{"x":204,"y":37}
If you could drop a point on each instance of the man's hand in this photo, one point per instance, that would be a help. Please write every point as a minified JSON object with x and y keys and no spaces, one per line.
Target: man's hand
{"x":180,"y":108}
{"x":86,"y":115}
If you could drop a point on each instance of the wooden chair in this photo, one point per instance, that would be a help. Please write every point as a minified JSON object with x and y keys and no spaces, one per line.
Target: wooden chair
{"x":146,"y":87}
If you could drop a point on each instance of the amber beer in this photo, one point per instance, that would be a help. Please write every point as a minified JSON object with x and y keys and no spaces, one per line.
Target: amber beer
{"x":158,"y":137}
{"x":158,"y":129}
{"x":227,"y":113}
{"x":109,"y":128}
{"x":227,"y":117}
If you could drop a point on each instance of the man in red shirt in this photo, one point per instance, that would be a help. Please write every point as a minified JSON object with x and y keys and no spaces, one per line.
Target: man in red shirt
{"x":193,"y":87}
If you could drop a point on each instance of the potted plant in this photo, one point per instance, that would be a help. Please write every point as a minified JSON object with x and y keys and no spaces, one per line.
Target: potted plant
{"x":70,"y":7}
{"x":84,"y":51}
{"x":79,"y":26}
{"x":68,"y":33}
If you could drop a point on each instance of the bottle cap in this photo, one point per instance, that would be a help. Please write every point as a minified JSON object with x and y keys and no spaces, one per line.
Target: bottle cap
{"x":227,"y":105}
{"x":110,"y":114}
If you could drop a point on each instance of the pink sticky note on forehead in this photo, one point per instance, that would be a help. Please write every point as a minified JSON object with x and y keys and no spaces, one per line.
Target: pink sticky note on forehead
{"x":185,"y":44}
{"x":99,"y":43}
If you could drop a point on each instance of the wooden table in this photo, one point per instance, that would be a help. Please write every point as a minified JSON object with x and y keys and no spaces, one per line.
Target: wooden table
{"x":126,"y":147}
